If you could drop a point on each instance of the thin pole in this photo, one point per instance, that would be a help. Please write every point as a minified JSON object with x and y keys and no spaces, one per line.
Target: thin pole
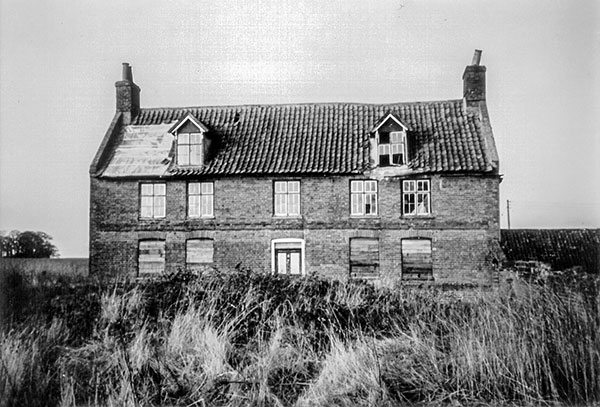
{"x":508,"y":212}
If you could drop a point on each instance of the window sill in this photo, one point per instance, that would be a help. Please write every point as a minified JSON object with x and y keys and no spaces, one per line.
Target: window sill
{"x":429,"y":216}
{"x":401,"y":166}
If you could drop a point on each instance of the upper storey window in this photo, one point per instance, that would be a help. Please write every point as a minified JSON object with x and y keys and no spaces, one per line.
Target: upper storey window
{"x":190,"y":140}
{"x":189,"y":149}
{"x":363,"y":197}
{"x":416,"y":197}
{"x":287,"y":198}
{"x":153,"y":198}
{"x":392,"y":148}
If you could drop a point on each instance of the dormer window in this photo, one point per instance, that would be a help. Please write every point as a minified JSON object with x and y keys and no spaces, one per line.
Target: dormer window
{"x":391,"y":141}
{"x":392,"y":148}
{"x":190,"y":140}
{"x":189,"y":149}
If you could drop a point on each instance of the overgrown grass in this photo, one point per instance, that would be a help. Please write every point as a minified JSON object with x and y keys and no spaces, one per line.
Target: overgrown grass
{"x":250,"y":339}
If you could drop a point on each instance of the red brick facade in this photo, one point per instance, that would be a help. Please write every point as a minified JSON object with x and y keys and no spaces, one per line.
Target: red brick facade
{"x":463,"y":222}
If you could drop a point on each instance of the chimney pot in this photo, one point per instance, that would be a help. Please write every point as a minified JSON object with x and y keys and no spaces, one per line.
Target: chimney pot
{"x":476,"y":57}
{"x":127,"y":73}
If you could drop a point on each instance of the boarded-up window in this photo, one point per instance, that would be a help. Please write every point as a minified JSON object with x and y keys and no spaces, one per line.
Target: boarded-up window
{"x":364,"y":257}
{"x":416,"y":259}
{"x":151,"y":258}
{"x":198,"y":251}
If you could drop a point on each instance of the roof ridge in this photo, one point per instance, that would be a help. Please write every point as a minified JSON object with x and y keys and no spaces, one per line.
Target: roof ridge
{"x":429,"y":102}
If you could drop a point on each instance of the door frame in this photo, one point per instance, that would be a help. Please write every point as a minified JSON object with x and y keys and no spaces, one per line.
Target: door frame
{"x":298,"y":244}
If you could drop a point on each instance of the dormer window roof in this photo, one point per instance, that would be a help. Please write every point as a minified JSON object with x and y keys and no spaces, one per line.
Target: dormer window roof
{"x":392,"y":148}
{"x":185,"y":123}
{"x":190,"y":139}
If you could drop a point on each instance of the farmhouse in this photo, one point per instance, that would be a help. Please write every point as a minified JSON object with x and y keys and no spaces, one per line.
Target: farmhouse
{"x":393,"y":192}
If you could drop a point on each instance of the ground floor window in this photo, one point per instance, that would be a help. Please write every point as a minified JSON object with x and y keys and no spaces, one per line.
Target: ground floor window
{"x":287,"y":256}
{"x":151,"y":257}
{"x":364,"y":257}
{"x":417,"y":262}
{"x":198,"y":251}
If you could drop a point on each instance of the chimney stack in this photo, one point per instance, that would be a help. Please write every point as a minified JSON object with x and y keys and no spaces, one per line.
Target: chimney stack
{"x":128,"y":95}
{"x":474,"y":81}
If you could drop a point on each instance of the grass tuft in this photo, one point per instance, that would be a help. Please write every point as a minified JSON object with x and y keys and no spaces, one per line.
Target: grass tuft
{"x":249,"y":339}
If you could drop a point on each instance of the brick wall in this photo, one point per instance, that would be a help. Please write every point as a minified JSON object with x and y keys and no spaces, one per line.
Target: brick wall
{"x":464,"y":219}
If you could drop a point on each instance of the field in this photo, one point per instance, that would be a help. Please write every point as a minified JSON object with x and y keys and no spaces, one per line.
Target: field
{"x":241,"y":339}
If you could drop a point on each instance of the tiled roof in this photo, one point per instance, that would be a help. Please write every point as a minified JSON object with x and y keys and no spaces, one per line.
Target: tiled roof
{"x":330,"y":138}
{"x":560,"y":248}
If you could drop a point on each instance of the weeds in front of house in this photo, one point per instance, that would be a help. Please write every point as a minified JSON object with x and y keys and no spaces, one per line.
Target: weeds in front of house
{"x":248,"y":339}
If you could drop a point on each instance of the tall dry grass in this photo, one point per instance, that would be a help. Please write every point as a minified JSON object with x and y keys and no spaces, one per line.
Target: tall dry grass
{"x":28,"y":364}
{"x":247,"y":339}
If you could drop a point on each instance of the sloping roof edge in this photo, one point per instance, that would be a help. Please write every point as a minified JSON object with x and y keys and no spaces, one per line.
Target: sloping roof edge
{"x":106,"y":145}
{"x":488,"y":136}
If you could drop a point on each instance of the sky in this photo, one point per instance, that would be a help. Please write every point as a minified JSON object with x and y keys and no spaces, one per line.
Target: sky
{"x":59,"y":61}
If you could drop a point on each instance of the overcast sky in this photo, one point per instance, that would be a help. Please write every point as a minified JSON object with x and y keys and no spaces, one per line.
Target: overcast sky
{"x":59,"y":61}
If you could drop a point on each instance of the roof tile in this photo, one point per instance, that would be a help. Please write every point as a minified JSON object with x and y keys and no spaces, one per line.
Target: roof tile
{"x":314,"y":138}
{"x":561,"y":248}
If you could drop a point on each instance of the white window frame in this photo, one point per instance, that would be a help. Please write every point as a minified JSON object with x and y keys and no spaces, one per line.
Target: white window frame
{"x":417,"y":194}
{"x":187,"y":252}
{"x":153,"y":203}
{"x":363,"y":195}
{"x":284,"y":192}
{"x":190,"y":149}
{"x":297,"y":243}
{"x":396,"y":145}
{"x":201,"y":204}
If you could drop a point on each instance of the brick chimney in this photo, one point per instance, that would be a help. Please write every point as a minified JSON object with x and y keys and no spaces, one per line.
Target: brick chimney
{"x":128,"y":95}
{"x":474,"y":81}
